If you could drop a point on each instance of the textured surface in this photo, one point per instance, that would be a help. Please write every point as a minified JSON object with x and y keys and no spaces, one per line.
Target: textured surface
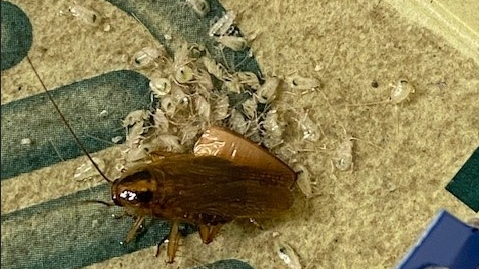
{"x":367,"y":218}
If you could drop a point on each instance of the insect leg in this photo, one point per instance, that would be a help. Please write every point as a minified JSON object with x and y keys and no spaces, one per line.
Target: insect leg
{"x":173,"y":240}
{"x":132,"y":233}
{"x":208,"y":232}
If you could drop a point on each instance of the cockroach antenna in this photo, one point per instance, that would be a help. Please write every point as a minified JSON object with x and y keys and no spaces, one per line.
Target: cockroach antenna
{"x":66,"y":122}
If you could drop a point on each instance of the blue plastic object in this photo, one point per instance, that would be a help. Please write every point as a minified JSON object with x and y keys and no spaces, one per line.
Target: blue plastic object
{"x":448,"y":243}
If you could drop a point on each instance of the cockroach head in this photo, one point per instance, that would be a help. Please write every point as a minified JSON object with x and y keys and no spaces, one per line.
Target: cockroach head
{"x":134,"y":190}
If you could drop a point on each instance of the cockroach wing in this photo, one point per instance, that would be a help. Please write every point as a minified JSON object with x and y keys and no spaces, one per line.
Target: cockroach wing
{"x":223,"y":143}
{"x":213,"y":190}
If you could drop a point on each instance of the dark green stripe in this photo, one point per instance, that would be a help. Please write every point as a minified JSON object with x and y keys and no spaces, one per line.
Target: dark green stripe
{"x":117,"y":92}
{"x":465,"y":184}
{"x":226,"y":264}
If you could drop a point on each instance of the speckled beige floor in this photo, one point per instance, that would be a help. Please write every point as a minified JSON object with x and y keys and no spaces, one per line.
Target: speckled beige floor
{"x":370,"y":216}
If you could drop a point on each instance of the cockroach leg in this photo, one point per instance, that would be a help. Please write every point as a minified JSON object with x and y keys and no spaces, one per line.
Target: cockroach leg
{"x":173,"y":239}
{"x":163,"y":240}
{"x":132,"y":233}
{"x":208,"y":232}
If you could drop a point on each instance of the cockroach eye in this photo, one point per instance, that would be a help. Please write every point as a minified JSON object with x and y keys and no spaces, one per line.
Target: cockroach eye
{"x":144,"y":196}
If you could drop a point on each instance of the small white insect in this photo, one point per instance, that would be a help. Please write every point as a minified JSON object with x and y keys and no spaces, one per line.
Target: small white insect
{"x":116,"y":139}
{"x":188,"y":134}
{"x":137,"y":116}
{"x":222,"y":26}
{"x":200,"y":7}
{"x":273,"y":130}
{"x":179,"y":97}
{"x":343,"y":157}
{"x":231,"y":84}
{"x":309,"y":129}
{"x":203,"y":108}
{"x":168,"y":106}
{"x":25,"y":141}
{"x":169,"y":143}
{"x":238,"y":123}
{"x":304,"y":180}
{"x":297,"y":82}
{"x":204,"y":81}
{"x":213,"y":67}
{"x":86,"y":15}
{"x":160,"y":121}
{"x":184,"y":74}
{"x":250,"y":108}
{"x":236,"y":43}
{"x":400,"y":92}
{"x":267,"y":92}
{"x":160,"y":86}
{"x":287,"y":254}
{"x":220,"y":108}
{"x":248,"y":78}
{"x":147,"y":56}
{"x":88,"y":171}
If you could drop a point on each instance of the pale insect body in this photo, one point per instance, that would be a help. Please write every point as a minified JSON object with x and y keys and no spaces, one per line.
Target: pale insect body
{"x":267,"y":92}
{"x":203,"y":108}
{"x":204,"y":82}
{"x":137,"y":116}
{"x":248,"y":78}
{"x":189,"y":133}
{"x":221,"y":106}
{"x":297,"y":82}
{"x":303,"y":181}
{"x":236,"y":43}
{"x":200,"y":7}
{"x":160,"y":121}
{"x":308,"y":128}
{"x":147,"y":56}
{"x":214,"y":68}
{"x":168,"y":143}
{"x":343,"y":157}
{"x":160,"y":86}
{"x":287,"y":254}
{"x":116,"y":139}
{"x":222,"y":26}
{"x":250,"y":107}
{"x":184,"y":74}
{"x":86,"y":15}
{"x":238,"y":123}
{"x":179,"y":97}
{"x":168,"y":106}
{"x":273,"y":135}
{"x":400,"y":92}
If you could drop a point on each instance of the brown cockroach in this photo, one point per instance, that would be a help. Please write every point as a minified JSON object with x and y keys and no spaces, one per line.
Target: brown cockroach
{"x":227,"y":177}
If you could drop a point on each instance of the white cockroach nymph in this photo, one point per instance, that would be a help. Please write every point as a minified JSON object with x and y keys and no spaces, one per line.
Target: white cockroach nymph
{"x":297,"y":82}
{"x":148,"y":56}
{"x":236,"y":43}
{"x":221,"y":26}
{"x":160,"y":86}
{"x":200,"y":7}
{"x":86,"y":15}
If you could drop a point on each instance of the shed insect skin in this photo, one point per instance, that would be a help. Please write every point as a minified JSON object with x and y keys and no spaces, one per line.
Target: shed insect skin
{"x":226,"y":177}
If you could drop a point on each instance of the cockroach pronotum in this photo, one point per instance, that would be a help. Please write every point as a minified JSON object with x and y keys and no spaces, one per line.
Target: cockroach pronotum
{"x":226,"y":177}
